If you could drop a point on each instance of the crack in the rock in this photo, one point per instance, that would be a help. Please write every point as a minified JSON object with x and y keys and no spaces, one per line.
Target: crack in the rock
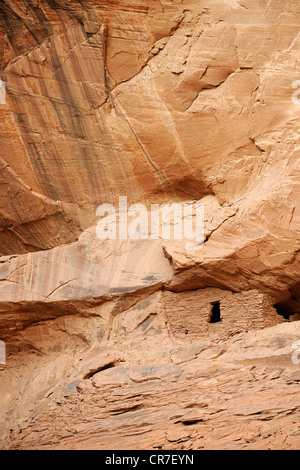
{"x":58,"y":287}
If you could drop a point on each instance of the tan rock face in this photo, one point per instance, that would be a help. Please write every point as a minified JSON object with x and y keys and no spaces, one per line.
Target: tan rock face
{"x":97,"y":98}
{"x":86,"y":394}
{"x":162,"y":101}
{"x":61,"y":132}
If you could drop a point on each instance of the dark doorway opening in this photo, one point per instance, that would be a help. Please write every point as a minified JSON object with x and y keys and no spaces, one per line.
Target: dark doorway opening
{"x":215,"y":313}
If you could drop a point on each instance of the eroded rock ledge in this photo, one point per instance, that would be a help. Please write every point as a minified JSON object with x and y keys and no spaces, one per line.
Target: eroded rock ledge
{"x":242,"y":393}
{"x":161,"y":101}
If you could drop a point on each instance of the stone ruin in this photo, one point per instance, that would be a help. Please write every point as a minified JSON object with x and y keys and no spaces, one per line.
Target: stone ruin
{"x":218,"y":314}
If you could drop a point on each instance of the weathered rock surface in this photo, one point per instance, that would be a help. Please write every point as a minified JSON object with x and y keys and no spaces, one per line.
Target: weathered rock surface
{"x":89,"y":268}
{"x":196,"y":97}
{"x":238,"y":394}
{"x":162,"y":101}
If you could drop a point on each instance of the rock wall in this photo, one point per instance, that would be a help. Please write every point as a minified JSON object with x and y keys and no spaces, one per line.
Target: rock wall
{"x":190,"y":313}
{"x":76,"y":389}
{"x":154,"y":87}
{"x":163,"y":101}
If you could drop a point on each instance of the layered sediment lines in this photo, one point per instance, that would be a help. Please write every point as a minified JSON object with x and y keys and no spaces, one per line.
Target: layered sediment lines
{"x":163,"y":101}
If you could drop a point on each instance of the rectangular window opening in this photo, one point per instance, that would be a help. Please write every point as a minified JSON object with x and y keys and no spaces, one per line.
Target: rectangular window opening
{"x":215,"y":316}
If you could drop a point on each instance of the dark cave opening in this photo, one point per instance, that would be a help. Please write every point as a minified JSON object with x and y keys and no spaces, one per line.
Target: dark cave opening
{"x":283,"y":312}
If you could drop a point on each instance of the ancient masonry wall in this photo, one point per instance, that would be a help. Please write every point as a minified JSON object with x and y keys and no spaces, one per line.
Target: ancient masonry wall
{"x":189,"y":313}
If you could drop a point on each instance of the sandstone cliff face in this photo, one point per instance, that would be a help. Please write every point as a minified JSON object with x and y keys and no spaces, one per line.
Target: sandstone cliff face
{"x":102,"y":94}
{"x":162,"y":101}
{"x":242,"y":393}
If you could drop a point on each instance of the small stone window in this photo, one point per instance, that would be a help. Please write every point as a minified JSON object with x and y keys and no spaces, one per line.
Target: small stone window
{"x":215,"y":316}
